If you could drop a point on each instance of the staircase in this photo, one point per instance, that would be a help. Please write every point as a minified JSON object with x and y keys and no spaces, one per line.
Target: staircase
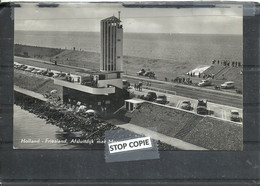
{"x":213,"y":70}
{"x":220,"y":73}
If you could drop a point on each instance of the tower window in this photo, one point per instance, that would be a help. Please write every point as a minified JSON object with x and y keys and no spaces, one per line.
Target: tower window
{"x":118,"y":39}
{"x":118,"y":57}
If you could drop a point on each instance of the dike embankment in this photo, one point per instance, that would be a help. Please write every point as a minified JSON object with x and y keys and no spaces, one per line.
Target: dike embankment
{"x":91,"y":60}
{"x":203,"y":131}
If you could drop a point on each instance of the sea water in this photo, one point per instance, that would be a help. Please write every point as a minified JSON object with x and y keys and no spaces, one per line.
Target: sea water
{"x":31,"y":132}
{"x":180,"y":48}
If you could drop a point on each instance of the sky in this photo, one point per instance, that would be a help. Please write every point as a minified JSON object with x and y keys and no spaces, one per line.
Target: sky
{"x":86,"y":18}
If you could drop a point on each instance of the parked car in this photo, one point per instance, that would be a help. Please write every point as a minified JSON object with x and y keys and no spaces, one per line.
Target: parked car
{"x":56,"y":75}
{"x":50,"y":74}
{"x":202,"y":107}
{"x":19,"y":66}
{"x":150,"y":96}
{"x":141,"y":72}
{"x":162,"y":99}
{"x":228,"y":84}
{"x":149,"y":74}
{"x":39,"y":72}
{"x":34,"y":71}
{"x":205,"y":82}
{"x":29,"y":69}
{"x":186,"y":105}
{"x":62,"y":74}
{"x":23,"y":67}
{"x":234,"y":115}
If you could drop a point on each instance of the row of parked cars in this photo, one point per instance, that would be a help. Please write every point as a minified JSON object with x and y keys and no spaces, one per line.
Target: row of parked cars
{"x":186,"y":105}
{"x":162,"y":99}
{"x":152,"y":96}
{"x":39,"y":71}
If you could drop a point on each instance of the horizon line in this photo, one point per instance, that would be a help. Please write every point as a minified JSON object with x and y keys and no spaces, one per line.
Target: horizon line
{"x":130,"y":32}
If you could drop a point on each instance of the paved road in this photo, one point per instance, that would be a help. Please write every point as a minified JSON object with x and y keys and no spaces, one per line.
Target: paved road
{"x":215,"y":96}
{"x":219,"y":97}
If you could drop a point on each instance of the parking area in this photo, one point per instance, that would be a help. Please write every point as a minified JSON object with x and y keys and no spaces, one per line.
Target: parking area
{"x":44,"y":72}
{"x":214,"y":110}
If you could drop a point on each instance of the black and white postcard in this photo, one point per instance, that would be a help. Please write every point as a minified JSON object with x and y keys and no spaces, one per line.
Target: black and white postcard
{"x":169,"y":76}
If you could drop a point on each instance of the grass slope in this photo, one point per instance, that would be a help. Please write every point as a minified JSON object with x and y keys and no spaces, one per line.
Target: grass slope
{"x":35,"y":83}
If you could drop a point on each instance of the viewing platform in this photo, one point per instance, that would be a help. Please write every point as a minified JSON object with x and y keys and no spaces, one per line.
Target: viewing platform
{"x":84,"y":88}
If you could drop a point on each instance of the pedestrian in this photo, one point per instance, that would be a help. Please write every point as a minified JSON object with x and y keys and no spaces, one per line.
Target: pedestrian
{"x":140,"y":86}
{"x":135,"y":86}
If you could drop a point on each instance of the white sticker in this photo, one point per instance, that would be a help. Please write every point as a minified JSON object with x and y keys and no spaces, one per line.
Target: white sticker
{"x":128,"y":145}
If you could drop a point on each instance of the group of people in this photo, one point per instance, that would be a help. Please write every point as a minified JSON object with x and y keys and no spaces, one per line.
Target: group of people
{"x":185,"y":80}
{"x":191,"y":74}
{"x":227,"y":63}
{"x":138,"y":86}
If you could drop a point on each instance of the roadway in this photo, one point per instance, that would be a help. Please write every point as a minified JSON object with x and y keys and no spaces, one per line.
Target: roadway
{"x":214,"y":96}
